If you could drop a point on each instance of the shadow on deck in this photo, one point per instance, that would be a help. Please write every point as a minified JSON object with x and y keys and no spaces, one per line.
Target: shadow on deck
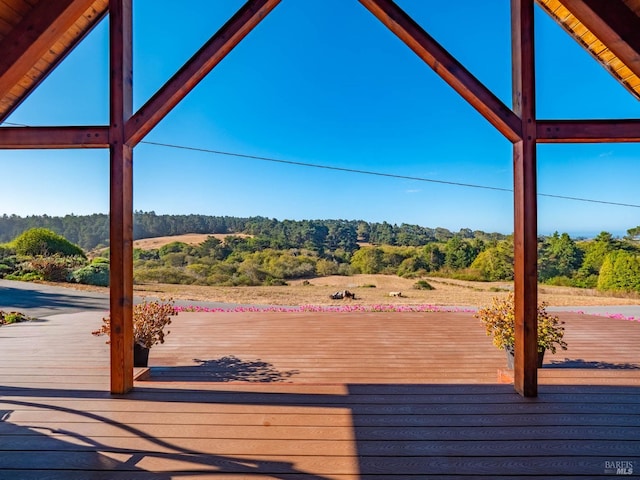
{"x":295,"y":396}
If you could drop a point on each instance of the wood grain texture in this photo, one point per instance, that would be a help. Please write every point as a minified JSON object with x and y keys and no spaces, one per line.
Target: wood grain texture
{"x":121,"y":195}
{"x":318,"y":395}
{"x":525,"y":200}
{"x":54,"y":137}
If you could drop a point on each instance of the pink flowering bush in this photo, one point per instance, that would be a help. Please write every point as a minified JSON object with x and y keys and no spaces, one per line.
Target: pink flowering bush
{"x":323,"y":308}
{"x":149,"y":321}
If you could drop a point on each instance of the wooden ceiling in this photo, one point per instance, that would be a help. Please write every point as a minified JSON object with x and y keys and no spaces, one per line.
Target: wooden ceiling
{"x":35,"y":35}
{"x":608,"y":29}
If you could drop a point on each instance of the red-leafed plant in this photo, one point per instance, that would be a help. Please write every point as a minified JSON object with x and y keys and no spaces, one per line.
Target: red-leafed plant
{"x":149,"y":321}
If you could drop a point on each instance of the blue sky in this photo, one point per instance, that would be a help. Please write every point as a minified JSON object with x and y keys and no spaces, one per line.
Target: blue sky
{"x":313,"y":86}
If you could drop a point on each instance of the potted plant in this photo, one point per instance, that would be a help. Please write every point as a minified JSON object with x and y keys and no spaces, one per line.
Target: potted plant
{"x":149,"y":321}
{"x":499,"y":322}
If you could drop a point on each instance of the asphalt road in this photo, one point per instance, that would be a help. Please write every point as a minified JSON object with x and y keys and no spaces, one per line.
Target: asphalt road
{"x":36,"y":300}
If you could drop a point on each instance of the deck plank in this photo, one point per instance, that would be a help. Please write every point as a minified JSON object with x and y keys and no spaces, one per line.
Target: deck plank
{"x":318,"y":395}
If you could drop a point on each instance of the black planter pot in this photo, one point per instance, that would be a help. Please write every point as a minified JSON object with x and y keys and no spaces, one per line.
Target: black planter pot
{"x":509,"y":352}
{"x":140,"y":356}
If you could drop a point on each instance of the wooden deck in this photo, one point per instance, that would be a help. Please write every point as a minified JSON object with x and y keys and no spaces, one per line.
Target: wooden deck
{"x":318,"y":396}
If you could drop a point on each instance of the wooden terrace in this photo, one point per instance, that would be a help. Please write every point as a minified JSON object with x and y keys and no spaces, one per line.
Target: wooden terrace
{"x":319,"y":396}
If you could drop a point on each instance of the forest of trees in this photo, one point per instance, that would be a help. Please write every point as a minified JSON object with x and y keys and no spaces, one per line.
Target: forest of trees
{"x":271,"y":252}
{"x":92,"y":231}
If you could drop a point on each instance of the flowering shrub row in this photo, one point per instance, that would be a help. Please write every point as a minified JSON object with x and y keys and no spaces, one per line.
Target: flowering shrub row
{"x":324,"y":308}
{"x":364,"y":308}
{"x":614,"y":316}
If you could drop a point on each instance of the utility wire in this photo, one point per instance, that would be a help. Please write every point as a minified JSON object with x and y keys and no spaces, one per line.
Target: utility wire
{"x":327,"y":167}
{"x":368,"y":172}
{"x":381,"y":174}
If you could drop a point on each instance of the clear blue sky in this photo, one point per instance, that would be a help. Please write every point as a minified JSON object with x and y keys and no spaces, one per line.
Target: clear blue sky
{"x":336,"y":89}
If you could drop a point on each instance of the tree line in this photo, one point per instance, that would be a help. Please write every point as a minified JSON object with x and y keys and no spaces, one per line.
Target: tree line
{"x":92,"y":231}
{"x":272,"y":252}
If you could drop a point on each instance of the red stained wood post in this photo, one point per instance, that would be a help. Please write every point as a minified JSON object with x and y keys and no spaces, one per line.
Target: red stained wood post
{"x":525,"y":204}
{"x":121,"y":191}
{"x":54,"y":137}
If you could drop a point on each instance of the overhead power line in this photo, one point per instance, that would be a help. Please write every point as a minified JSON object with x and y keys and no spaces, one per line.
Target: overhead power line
{"x":380,"y":174}
{"x":368,"y":172}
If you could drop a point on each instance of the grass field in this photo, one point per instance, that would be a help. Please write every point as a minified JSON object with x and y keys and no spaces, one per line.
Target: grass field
{"x":369,"y":290}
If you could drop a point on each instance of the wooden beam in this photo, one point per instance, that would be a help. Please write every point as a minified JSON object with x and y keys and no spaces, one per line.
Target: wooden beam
{"x":614,"y":24}
{"x":445,"y":65}
{"x":192,"y":72}
{"x":525,"y":206}
{"x":121,"y":197}
{"x":34,"y":35}
{"x":54,"y":137}
{"x":588,"y":131}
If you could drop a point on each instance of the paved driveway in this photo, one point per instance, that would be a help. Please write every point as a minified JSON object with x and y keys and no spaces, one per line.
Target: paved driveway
{"x":40,"y":301}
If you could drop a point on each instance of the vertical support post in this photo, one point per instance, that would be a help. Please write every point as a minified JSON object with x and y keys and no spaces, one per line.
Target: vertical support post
{"x":525,"y":202}
{"x":121,"y":196}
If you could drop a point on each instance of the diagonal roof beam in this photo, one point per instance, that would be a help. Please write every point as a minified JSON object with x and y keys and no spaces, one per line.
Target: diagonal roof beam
{"x":34,"y":35}
{"x":445,"y":65}
{"x":192,"y":72}
{"x":614,"y":24}
{"x":54,"y":137}
{"x":588,"y":131}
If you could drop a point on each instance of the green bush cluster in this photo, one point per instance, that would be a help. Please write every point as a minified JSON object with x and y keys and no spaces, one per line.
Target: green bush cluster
{"x":7,"y":318}
{"x":282,"y":251}
{"x":96,"y":273}
{"x":620,"y":272}
{"x":422,"y":285}
{"x":44,"y":242}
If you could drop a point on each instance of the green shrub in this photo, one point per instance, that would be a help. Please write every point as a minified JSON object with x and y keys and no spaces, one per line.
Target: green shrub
{"x":345,"y":270}
{"x":7,"y":265}
{"x":422,"y":285}
{"x":162,"y":275}
{"x":42,"y":241}
{"x":173,"y":247}
{"x":326,"y":267}
{"x":94,"y":274}
{"x":24,"y":276}
{"x":620,"y":272}
{"x":7,"y":318}
{"x":586,"y":281}
{"x":139,"y":254}
{"x":560,"y":281}
{"x":6,"y":251}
